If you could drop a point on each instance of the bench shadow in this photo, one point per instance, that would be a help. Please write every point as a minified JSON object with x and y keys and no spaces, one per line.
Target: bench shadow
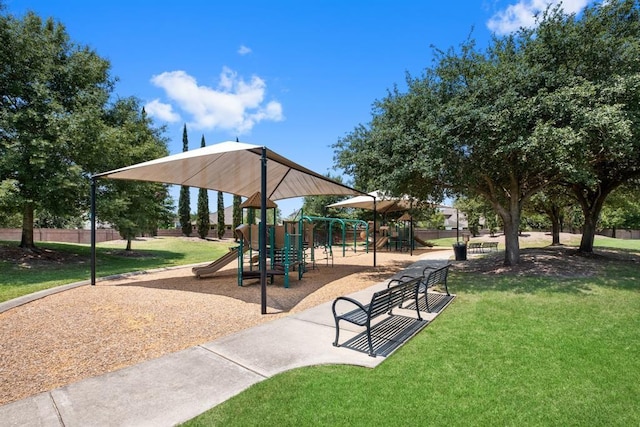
{"x":387,"y":336}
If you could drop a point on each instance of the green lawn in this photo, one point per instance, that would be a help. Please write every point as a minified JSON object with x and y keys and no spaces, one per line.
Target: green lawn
{"x":510,"y":350}
{"x":22,"y":278}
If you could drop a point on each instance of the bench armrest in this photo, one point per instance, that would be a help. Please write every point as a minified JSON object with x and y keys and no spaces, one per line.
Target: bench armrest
{"x":399,"y":280}
{"x":347,"y":299}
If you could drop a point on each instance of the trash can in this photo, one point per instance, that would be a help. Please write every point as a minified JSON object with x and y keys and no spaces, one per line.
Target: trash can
{"x":460,"y":251}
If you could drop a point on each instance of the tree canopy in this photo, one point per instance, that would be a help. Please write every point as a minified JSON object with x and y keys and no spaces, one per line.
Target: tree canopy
{"x":59,"y":125}
{"x":505,"y":122}
{"x":53,"y":94}
{"x":131,"y":207}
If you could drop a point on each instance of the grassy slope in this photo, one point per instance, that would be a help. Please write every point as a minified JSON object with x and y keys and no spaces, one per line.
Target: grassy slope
{"x":73,"y":262}
{"x":509,"y":351}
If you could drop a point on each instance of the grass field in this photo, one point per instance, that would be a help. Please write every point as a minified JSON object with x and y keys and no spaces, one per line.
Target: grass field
{"x":61,"y":263}
{"x":510,"y":350}
{"x":513,"y":349}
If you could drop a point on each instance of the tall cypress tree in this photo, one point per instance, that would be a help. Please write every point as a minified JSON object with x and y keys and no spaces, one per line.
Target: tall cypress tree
{"x":203,"y":222}
{"x":184,"y":204}
{"x":237,"y":212}
{"x":221,"y":222}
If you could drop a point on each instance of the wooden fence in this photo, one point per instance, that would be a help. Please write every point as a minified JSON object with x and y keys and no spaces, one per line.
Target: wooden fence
{"x":103,"y":235}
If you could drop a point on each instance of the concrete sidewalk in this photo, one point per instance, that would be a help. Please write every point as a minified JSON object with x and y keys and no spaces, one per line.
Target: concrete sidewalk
{"x":176,"y":387}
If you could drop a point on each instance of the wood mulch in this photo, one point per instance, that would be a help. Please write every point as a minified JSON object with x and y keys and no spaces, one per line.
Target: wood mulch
{"x":91,"y":330}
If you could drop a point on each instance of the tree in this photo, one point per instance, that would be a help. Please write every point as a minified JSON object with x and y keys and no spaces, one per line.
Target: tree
{"x":221,"y":220}
{"x":557,"y":103}
{"x":622,"y":209}
{"x":132,"y":207}
{"x":317,"y":205}
{"x":237,"y":213}
{"x":591,"y":67}
{"x":203,"y":221}
{"x":137,"y":209}
{"x":553,"y":201}
{"x":467,"y":127}
{"x":475,"y":209}
{"x":53,"y":93}
{"x":184,"y":201}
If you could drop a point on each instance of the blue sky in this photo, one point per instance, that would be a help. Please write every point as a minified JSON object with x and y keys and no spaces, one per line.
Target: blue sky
{"x":294,"y":76}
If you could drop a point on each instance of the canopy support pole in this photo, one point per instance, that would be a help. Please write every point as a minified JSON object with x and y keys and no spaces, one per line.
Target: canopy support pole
{"x":375,"y":243}
{"x":263,"y":232}
{"x":411,"y":228}
{"x":93,"y":231}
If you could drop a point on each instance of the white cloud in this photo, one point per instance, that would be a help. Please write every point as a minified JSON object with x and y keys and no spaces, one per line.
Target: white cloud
{"x":244,"y":50}
{"x":522,"y":14}
{"x":162,"y":111}
{"x":235,"y":105}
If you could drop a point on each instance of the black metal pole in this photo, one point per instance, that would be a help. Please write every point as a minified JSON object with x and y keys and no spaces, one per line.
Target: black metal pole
{"x":411,"y":235}
{"x":263,"y":233}
{"x":411,"y":228}
{"x":93,"y":231}
{"x":375,"y":243}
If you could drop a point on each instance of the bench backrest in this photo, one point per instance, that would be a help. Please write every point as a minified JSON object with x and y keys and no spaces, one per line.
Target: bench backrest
{"x":437,"y":276}
{"x":383,"y":301}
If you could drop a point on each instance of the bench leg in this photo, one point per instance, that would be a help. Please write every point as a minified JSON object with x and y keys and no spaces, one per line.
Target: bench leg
{"x":335,"y":343}
{"x":371,"y":352}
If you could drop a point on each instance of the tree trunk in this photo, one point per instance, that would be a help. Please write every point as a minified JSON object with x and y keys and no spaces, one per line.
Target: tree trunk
{"x":27,"y":227}
{"x":511,"y":221}
{"x":511,"y":242}
{"x":555,"y":232}
{"x":128,"y":248}
{"x":588,"y":233}
{"x":554,"y":215}
{"x":591,"y":203}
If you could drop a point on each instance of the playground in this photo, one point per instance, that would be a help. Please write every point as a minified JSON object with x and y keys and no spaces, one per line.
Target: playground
{"x":292,"y":247}
{"x":91,"y":330}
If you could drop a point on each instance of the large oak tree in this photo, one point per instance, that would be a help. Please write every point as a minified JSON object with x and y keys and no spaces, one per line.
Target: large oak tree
{"x":51,"y":89}
{"x":537,"y":107}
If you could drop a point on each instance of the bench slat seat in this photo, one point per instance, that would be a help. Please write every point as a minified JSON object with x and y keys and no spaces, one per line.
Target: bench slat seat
{"x":491,"y":246}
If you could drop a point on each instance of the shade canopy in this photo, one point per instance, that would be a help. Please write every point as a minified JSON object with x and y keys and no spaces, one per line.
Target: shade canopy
{"x":233,"y":167}
{"x":383,"y":202}
{"x":230,"y":167}
{"x":255,"y":201}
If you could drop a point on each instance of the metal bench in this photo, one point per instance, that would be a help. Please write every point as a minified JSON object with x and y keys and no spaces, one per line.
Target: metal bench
{"x":382,"y":302}
{"x":431,"y":277}
{"x":474,"y":247}
{"x":490,"y":246}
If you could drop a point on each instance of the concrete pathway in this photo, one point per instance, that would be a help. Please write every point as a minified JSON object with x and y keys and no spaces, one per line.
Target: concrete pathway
{"x":179,"y":386}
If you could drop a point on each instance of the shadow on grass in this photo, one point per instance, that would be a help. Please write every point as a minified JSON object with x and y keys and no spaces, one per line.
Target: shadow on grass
{"x":69,"y":263}
{"x":555,"y":269}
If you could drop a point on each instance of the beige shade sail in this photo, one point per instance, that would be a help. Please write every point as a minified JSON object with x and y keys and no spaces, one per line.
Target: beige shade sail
{"x":383,"y":202}
{"x":255,"y":201}
{"x":235,"y":168}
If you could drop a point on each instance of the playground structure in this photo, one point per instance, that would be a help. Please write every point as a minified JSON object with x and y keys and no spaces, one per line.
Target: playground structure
{"x":328,"y":239}
{"x":217,"y":264}
{"x":285,"y":251}
{"x":290,"y":247}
